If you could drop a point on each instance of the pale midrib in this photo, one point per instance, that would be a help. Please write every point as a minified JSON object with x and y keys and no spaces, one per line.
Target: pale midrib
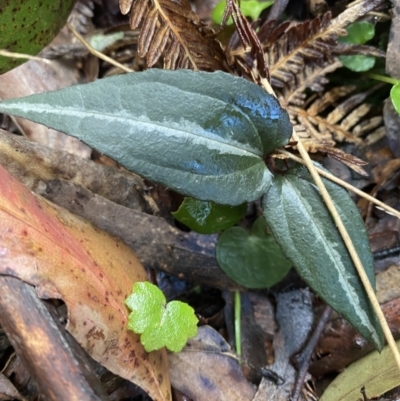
{"x":352,"y":293}
{"x":44,"y":109}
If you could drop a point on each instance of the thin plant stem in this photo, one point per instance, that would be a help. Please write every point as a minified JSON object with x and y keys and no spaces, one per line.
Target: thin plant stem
{"x":6,"y":53}
{"x":344,"y":184}
{"x":97,"y":53}
{"x":383,"y":78}
{"x":345,"y":236}
{"x":238,"y":318}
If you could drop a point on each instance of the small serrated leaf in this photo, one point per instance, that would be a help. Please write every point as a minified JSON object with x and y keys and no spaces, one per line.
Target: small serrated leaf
{"x":160,"y":324}
{"x":202,"y":134}
{"x":304,"y":229}
{"x":208,"y":217}
{"x":253,"y":260}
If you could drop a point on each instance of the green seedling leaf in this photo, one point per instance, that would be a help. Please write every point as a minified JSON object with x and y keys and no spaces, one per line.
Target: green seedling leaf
{"x":208,"y":217}
{"x":395,"y":96}
{"x":249,"y":8}
{"x":160,"y":324}
{"x":358,"y":63}
{"x":201,"y":134}
{"x":304,"y":229}
{"x":358,"y":33}
{"x":28,"y":26}
{"x":377,"y":372}
{"x":253,"y":260}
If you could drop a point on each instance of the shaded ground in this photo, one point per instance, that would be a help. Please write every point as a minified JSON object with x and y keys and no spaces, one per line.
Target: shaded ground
{"x":47,"y":363}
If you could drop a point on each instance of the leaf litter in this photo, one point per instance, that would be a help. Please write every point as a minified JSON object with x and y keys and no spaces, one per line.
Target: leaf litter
{"x":310,"y":59}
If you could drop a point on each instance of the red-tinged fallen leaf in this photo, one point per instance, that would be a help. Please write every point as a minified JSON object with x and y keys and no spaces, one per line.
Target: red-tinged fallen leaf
{"x":92,"y":272}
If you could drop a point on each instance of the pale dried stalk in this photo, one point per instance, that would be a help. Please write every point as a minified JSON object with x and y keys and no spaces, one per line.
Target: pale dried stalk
{"x":344,"y":184}
{"x":97,"y":53}
{"x":6,"y":53}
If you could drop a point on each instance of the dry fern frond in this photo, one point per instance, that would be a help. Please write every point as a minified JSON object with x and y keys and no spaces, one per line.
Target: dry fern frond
{"x":171,"y":29}
{"x":336,"y":117}
{"x":311,"y":41}
{"x":289,"y":50}
{"x":312,"y":76}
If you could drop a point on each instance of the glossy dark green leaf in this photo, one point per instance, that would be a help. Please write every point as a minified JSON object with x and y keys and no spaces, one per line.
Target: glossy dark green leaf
{"x":253,"y":260}
{"x":270,"y":119}
{"x":304,"y":229}
{"x":194,"y":132}
{"x":28,"y":26}
{"x":207,"y":217}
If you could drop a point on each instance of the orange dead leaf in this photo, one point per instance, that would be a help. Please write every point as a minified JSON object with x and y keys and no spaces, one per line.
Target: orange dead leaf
{"x":64,"y":257}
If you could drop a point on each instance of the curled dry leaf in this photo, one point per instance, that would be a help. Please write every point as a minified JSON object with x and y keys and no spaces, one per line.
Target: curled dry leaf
{"x":349,"y":160}
{"x":93,"y":273}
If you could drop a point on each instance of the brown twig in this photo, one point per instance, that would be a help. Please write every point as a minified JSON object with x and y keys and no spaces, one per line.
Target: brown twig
{"x":303,"y":359}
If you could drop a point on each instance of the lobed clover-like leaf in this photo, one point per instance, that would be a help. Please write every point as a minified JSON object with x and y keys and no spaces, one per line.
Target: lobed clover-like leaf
{"x":160,"y":324}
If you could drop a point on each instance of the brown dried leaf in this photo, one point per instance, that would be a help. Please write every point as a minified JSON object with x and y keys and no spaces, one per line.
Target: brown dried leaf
{"x":206,"y":369}
{"x":172,"y":29}
{"x":66,"y":258}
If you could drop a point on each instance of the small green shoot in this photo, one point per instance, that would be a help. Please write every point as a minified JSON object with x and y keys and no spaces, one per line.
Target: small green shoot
{"x":249,"y":8}
{"x":160,"y":324}
{"x":358,"y":34}
{"x":208,"y":217}
{"x":238,"y":321}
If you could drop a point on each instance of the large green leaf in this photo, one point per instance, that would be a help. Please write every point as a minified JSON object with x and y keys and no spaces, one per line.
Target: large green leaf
{"x":270,"y":119}
{"x":304,"y":229}
{"x":199,"y":133}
